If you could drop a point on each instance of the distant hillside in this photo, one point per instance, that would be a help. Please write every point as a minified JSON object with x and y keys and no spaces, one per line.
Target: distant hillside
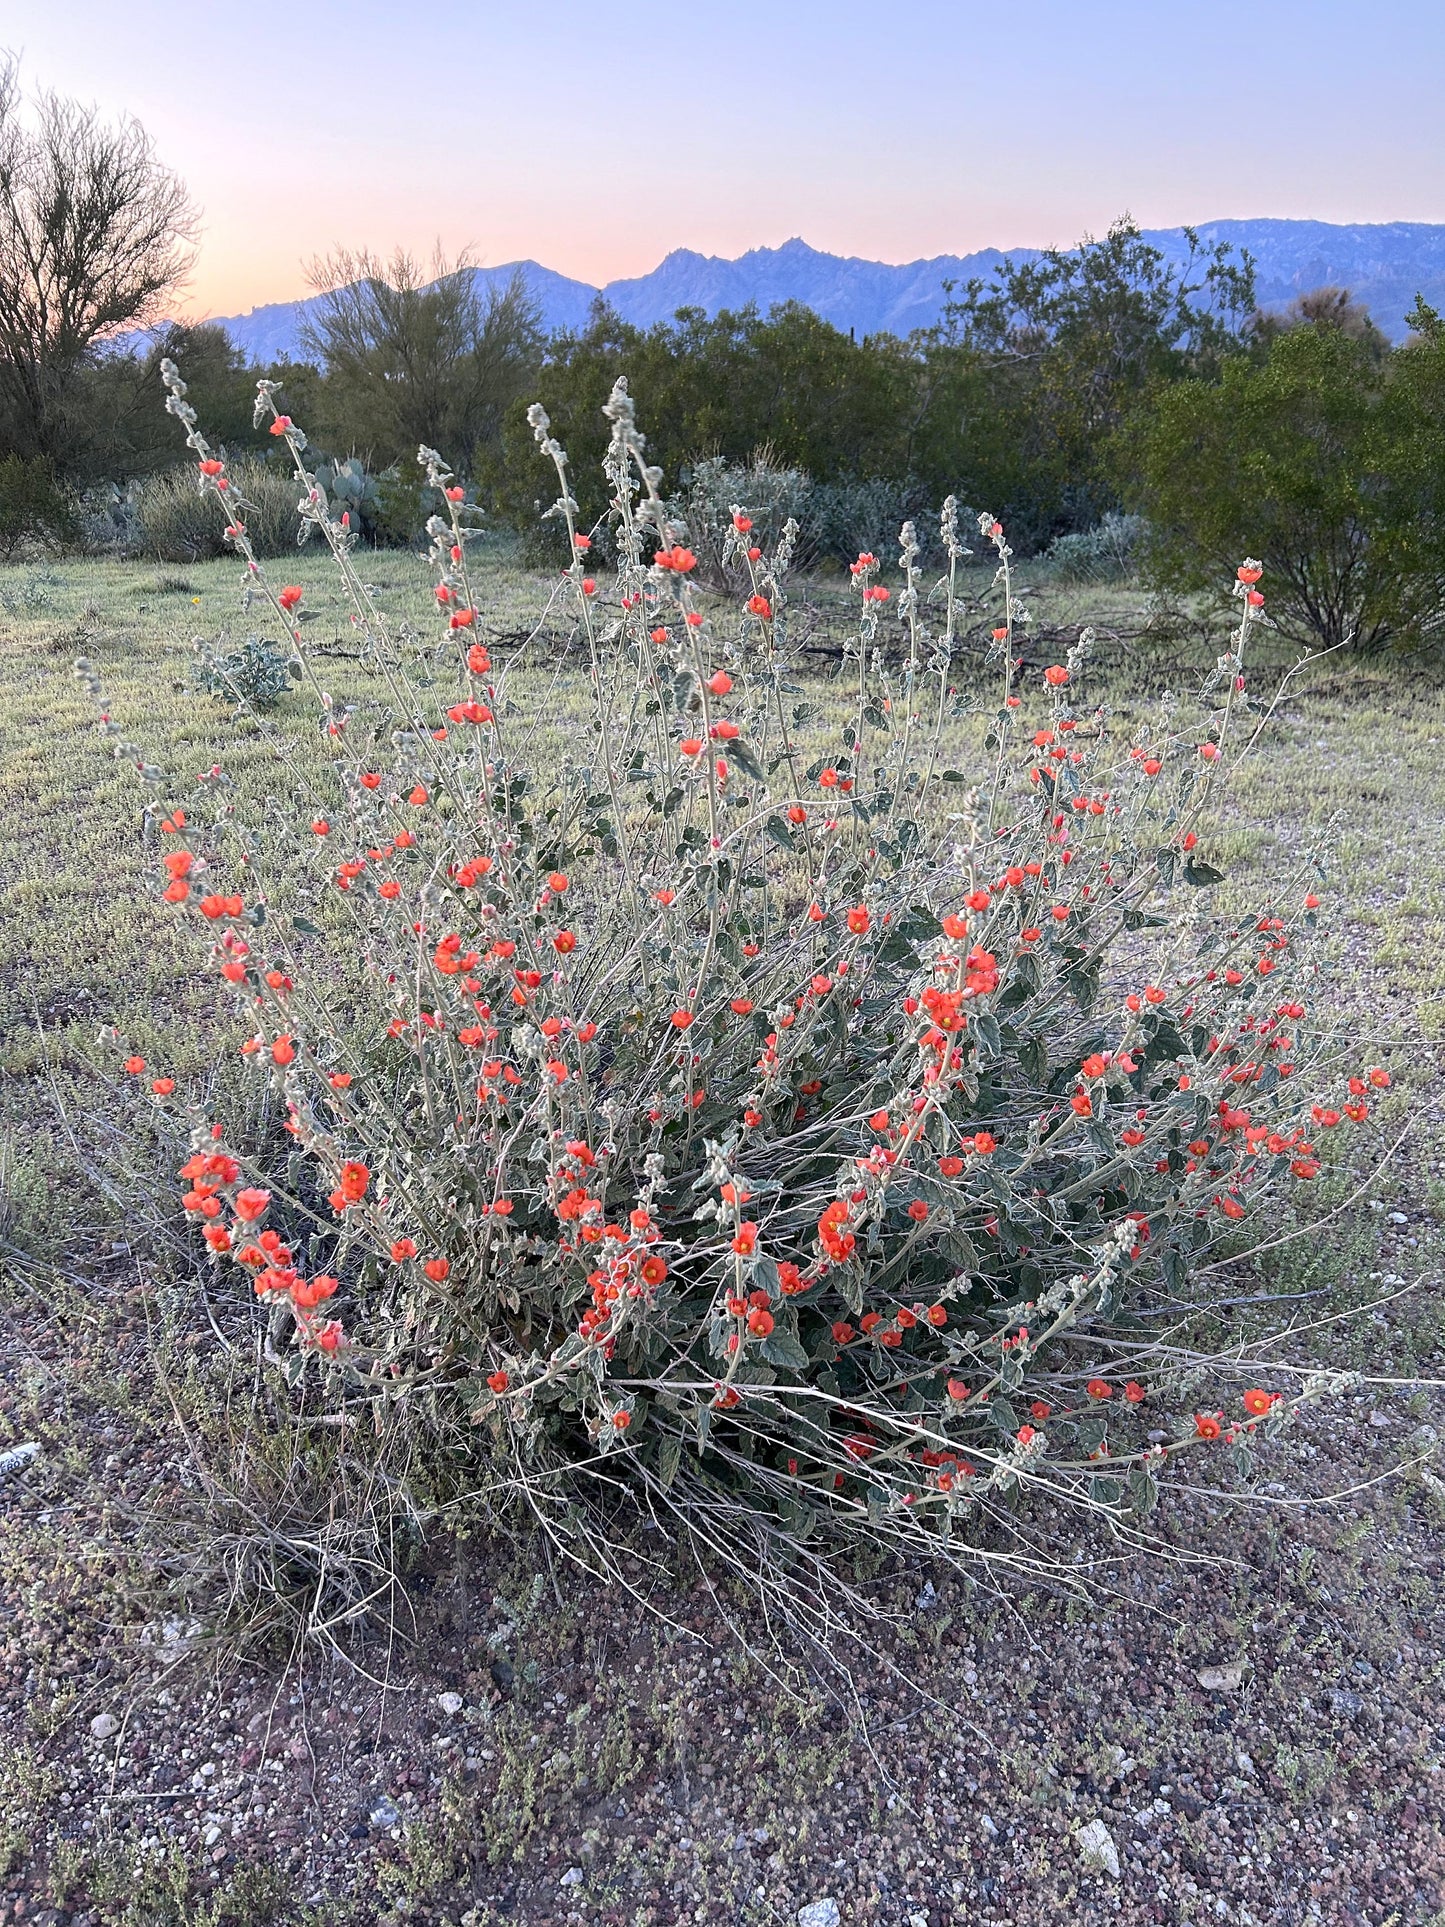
{"x":1384,"y":266}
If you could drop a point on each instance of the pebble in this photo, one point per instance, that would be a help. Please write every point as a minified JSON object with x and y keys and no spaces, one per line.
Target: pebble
{"x":1096,"y":1844}
{"x":384,"y":1814}
{"x":820,"y":1913}
{"x":1222,"y":1679}
{"x":572,"y":1878}
{"x":104,"y":1726}
{"x":450,"y":1703}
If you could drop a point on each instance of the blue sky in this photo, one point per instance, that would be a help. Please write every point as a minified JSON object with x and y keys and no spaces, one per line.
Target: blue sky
{"x":595,"y":140}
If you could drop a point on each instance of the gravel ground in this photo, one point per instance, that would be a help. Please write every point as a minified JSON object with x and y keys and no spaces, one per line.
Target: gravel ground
{"x":1250,"y":1731}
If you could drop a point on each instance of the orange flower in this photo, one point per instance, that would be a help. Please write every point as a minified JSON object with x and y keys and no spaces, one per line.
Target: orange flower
{"x":1207,"y":1425}
{"x":1134,"y":1392}
{"x":498,"y":1381}
{"x":283,"y":1051}
{"x":1057,"y":676}
{"x":135,"y":1065}
{"x":252,"y":1204}
{"x":289,"y":596}
{"x":1099,"y":1388}
{"x":681,"y":1019}
{"x":354,"y":1179}
{"x":437,"y":1269}
{"x":1258,"y":1403}
{"x":858,"y":920}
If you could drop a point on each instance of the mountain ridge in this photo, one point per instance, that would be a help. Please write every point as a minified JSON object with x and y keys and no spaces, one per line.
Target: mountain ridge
{"x":1384,"y":264}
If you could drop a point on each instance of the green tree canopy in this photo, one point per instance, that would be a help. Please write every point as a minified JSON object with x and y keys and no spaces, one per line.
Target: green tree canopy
{"x":1321,"y":458}
{"x":1032,"y":372}
{"x":727,"y":385}
{"x":418,"y":355}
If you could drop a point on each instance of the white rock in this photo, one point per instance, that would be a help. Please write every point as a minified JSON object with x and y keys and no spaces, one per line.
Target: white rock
{"x":104,"y":1726}
{"x":1222,"y":1679}
{"x":819,"y":1913}
{"x":450,"y":1703}
{"x":572,"y":1878}
{"x":1096,"y":1844}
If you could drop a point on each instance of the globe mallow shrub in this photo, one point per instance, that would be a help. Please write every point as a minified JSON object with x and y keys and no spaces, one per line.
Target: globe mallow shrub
{"x":788,"y":1129}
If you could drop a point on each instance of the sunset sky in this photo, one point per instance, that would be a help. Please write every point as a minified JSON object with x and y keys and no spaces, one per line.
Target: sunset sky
{"x":594,"y":139}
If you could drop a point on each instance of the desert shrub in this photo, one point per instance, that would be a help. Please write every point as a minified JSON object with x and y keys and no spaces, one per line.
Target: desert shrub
{"x":108,"y":518}
{"x":35,"y":512}
{"x":789,"y":1133}
{"x":34,"y":591}
{"x":1105,"y":553}
{"x":847,"y":519}
{"x":835,"y":521}
{"x":718,"y":491}
{"x":1331,"y":457}
{"x":176,"y":521}
{"x":400,"y":515}
{"x":255,"y":674}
